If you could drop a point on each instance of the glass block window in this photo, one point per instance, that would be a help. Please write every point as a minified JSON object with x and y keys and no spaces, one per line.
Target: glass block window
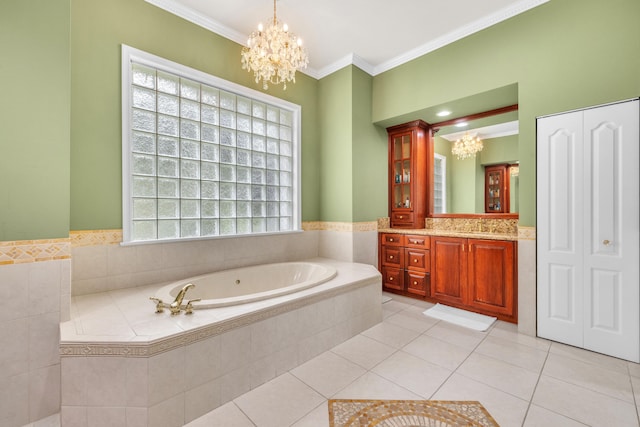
{"x":439,"y":183}
{"x":204,"y":157}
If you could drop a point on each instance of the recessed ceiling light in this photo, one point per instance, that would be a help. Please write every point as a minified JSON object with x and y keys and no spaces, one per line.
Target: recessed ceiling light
{"x":462,"y":125}
{"x":443,"y":113}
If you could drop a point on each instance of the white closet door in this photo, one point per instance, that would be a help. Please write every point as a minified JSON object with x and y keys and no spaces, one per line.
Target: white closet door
{"x":589,"y":229}
{"x":611,"y":215}
{"x":559,"y":230}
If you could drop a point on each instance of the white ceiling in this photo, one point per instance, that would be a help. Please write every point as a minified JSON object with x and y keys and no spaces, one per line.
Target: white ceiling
{"x":375,"y":35}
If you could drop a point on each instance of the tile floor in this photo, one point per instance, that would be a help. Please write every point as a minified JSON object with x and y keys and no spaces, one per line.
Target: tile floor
{"x":521,"y":380}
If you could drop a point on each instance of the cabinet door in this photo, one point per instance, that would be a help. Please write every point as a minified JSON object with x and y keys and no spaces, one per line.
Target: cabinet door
{"x":497,"y":189}
{"x":448,"y":267}
{"x":492,"y":276}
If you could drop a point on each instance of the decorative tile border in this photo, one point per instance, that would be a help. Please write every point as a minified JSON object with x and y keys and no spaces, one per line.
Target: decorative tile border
{"x":526,"y":233}
{"x":95,"y":237}
{"x":25,"y":251}
{"x":339,"y":226}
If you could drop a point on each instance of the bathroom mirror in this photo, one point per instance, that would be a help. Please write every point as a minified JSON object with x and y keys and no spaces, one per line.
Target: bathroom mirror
{"x":459,"y":184}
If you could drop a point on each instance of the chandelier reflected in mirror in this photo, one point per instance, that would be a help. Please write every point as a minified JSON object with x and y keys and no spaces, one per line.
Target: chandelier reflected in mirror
{"x":274,"y":54}
{"x":467,"y":146}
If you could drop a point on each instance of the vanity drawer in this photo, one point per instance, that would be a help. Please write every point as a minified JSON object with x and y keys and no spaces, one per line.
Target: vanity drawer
{"x":418,"y":283}
{"x":417,"y":241}
{"x":392,"y":256}
{"x":417,"y":259}
{"x":391,"y":239}
{"x":392,"y":278}
{"x":402,"y":219}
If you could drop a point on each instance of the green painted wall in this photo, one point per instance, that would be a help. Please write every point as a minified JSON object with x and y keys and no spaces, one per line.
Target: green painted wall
{"x":353,"y":149}
{"x":336,"y":154}
{"x":370,"y":191}
{"x":34,"y":119}
{"x":98,"y":29}
{"x":563,"y":55}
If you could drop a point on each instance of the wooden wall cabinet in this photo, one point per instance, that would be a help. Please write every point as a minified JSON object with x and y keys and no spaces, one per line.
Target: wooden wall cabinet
{"x":410,"y":149}
{"x":405,"y":263}
{"x":475,"y":274}
{"x":497,"y":189}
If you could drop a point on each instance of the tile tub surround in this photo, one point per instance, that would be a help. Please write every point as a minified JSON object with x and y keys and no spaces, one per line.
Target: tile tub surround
{"x":101,"y":263}
{"x":37,"y":299}
{"x":125,"y":363}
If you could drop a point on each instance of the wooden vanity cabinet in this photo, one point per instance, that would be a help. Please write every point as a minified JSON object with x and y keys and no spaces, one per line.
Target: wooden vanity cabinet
{"x":475,"y":274}
{"x":405,"y":263}
{"x":410,"y":149}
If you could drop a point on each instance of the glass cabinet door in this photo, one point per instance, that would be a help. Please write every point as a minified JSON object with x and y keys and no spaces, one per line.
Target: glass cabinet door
{"x":402,"y":171}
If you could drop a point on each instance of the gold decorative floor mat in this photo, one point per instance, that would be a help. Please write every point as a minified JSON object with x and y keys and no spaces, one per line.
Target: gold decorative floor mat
{"x":408,"y":413}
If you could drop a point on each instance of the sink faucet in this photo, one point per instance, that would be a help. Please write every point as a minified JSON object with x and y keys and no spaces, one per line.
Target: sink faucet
{"x":176,"y":305}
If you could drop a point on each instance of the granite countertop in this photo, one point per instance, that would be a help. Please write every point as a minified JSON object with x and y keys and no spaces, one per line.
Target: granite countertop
{"x":450,"y":233}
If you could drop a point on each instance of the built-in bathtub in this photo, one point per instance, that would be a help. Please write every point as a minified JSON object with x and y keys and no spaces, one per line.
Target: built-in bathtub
{"x":123,"y":362}
{"x":249,"y":284}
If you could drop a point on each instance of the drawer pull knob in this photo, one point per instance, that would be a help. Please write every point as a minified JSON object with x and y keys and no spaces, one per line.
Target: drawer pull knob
{"x":400,"y":217}
{"x":415,"y":283}
{"x":391,"y":239}
{"x":391,"y":279}
{"x":415,"y":260}
{"x":390,"y":256}
{"x":606,"y":242}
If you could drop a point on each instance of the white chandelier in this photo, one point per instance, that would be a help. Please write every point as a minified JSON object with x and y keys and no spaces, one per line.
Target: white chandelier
{"x":467,"y":146}
{"x":274,"y":54}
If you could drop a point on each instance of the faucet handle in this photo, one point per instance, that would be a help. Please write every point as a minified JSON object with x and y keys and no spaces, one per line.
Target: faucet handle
{"x":159,"y":304}
{"x":189,"y":307}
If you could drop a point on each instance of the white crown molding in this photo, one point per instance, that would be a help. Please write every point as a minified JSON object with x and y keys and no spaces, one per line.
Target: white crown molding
{"x":461,"y":33}
{"x":197,"y":18}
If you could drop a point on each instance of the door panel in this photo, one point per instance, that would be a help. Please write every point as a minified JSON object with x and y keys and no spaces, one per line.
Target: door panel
{"x":449,"y":278}
{"x":559,"y":229}
{"x":491,"y":276}
{"x":611,"y":212}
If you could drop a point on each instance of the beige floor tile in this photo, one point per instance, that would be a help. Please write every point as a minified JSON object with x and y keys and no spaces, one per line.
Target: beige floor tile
{"x":408,"y":320}
{"x":589,"y":376}
{"x":392,"y":335}
{"x":540,"y":417}
{"x":436,"y":351}
{"x":228,"y":415}
{"x":364,"y":351}
{"x":328,"y":373}
{"x":587,"y":356}
{"x":634,"y":369}
{"x":500,"y":375}
{"x":513,"y":353}
{"x":373,"y":386}
{"x":319,"y":417}
{"x":413,"y":373}
{"x":457,"y":335}
{"x":507,"y":410}
{"x":587,"y":406}
{"x":509,"y":331}
{"x":280,"y":402}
